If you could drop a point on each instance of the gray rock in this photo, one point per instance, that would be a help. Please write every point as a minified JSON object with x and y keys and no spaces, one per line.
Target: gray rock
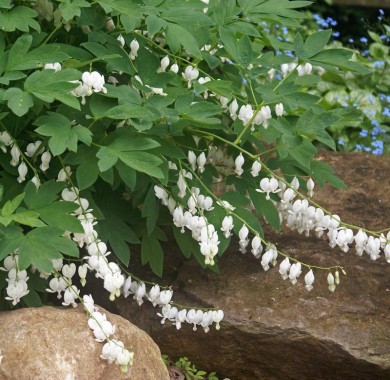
{"x":273,"y":330}
{"x":56,"y":343}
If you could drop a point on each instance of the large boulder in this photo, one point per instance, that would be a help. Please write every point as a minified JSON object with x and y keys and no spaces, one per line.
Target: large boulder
{"x":56,"y":343}
{"x":273,"y":330}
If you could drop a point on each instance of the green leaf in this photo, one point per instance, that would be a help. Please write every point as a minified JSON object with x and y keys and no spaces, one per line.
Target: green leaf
{"x":265,"y":208}
{"x":114,"y":230}
{"x":249,"y":218}
{"x":41,"y":245}
{"x":299,"y":100}
{"x":11,"y":237}
{"x":83,"y":134}
{"x":100,"y":51}
{"x":36,"y":282}
{"x":11,"y":76}
{"x":46,"y":194}
{"x":107,"y":158}
{"x":122,"y":7}
{"x":18,"y":101}
{"x":18,"y":51}
{"x":57,"y":215}
{"x":20,"y":18}
{"x":152,"y":253}
{"x":49,"y":86}
{"x":32,"y":299}
{"x":128,"y":111}
{"x":316,"y":43}
{"x":298,"y":45}
{"x":143,"y":162}
{"x":229,"y":42}
{"x":150,"y":210}
{"x":133,"y":142}
{"x":58,"y":128}
{"x":323,"y":172}
{"x":303,"y":153}
{"x":331,"y":58}
{"x":11,"y":205}
{"x":313,"y":126}
{"x":108,"y":176}
{"x":71,"y":8}
{"x":87,"y":174}
{"x":154,"y":24}
{"x":281,"y":11}
{"x":244,"y":51}
{"x":221,"y":87}
{"x":185,"y":242}
{"x":21,"y":59}
{"x":176,"y":35}
{"x":235,"y":198}
{"x":243,"y":28}
{"x":128,"y":175}
{"x":28,"y":218}
{"x":130,"y":22}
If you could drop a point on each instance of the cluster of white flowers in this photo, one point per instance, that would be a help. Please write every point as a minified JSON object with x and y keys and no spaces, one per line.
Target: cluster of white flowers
{"x":269,"y":185}
{"x":243,"y":236}
{"x":164,"y":64}
{"x":304,"y":69}
{"x":224,"y":164}
{"x":190,"y":74}
{"x":197,"y":162}
{"x":113,"y":350}
{"x":246,"y":114}
{"x":17,"y":279}
{"x":163,"y":299}
{"x":192,"y":316}
{"x":193,"y":218}
{"x":90,"y":83}
{"x":56,"y":66}
{"x":32,"y":151}
{"x":238,"y":163}
{"x":114,"y":281}
{"x":299,"y":215}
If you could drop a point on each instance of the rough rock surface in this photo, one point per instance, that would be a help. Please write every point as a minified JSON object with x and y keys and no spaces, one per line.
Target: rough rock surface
{"x":273,"y":330}
{"x":56,"y":343}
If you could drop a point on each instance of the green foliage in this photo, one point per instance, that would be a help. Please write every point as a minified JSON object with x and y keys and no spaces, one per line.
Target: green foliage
{"x":85,"y":82}
{"x":368,"y":130}
{"x":187,"y":369}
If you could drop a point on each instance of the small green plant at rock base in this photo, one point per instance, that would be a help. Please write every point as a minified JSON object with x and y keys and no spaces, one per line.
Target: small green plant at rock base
{"x":187,"y":369}
{"x":120,"y":119}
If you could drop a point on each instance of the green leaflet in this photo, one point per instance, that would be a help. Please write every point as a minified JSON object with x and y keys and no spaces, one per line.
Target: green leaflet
{"x":41,"y":245}
{"x":19,"y":18}
{"x":57,"y":215}
{"x":177,"y":36}
{"x":150,"y":210}
{"x":126,"y":149}
{"x":152,"y":253}
{"x":46,"y":194}
{"x":340,"y":58}
{"x":18,"y":101}
{"x":20,"y":58}
{"x":72,"y":8}
{"x":265,"y":208}
{"x":87,"y":173}
{"x":10,"y":238}
{"x":49,"y":86}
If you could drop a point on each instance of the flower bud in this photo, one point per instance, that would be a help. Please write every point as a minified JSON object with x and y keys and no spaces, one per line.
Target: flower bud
{"x":279,"y":109}
{"x":331,"y":282}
